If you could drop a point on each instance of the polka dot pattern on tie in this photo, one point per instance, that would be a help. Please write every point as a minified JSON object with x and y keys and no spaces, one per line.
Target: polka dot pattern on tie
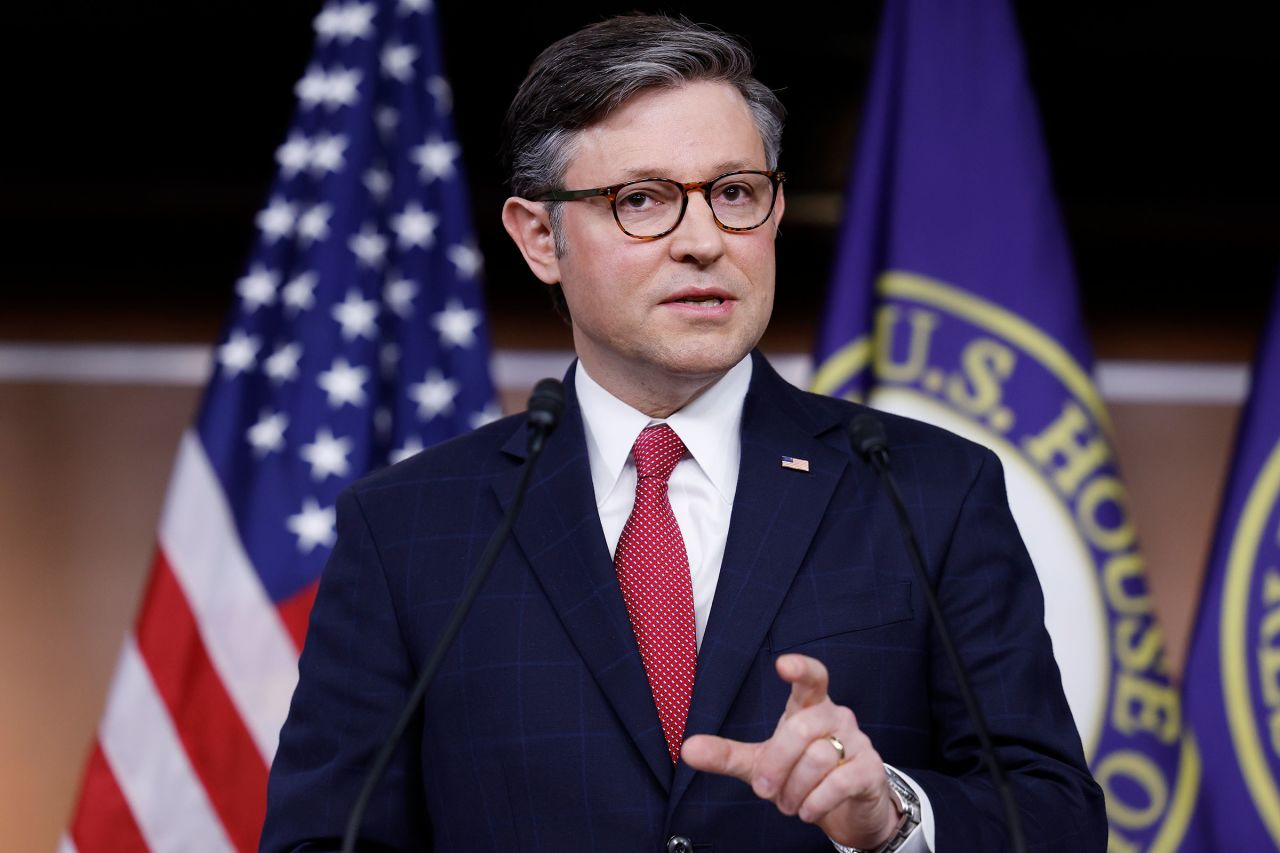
{"x":653,"y":571}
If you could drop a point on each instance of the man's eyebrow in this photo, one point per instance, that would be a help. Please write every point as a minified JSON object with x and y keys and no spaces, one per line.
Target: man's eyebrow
{"x":733,"y":166}
{"x":654,"y":172}
{"x":642,"y":172}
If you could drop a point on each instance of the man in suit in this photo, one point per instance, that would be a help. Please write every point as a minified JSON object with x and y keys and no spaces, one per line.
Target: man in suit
{"x":705,"y":634}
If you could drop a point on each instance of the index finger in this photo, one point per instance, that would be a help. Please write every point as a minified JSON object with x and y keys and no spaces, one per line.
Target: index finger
{"x":807,"y":677}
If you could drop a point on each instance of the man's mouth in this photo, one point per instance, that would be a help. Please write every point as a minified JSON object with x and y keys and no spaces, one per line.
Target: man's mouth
{"x":700,"y":297}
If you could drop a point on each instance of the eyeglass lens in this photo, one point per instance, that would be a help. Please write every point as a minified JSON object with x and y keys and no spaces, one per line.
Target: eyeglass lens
{"x":650,"y":208}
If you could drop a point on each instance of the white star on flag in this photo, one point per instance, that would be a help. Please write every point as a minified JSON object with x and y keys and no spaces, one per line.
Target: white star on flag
{"x":313,"y":226}
{"x":467,"y":259}
{"x":441,"y":92}
{"x":345,"y":22}
{"x":343,"y":88}
{"x":334,"y":89}
{"x":415,"y":227}
{"x":343,"y":383}
{"x":434,"y":395}
{"x":327,"y":153}
{"x":282,"y":365}
{"x":487,"y":415}
{"x":412,"y":446}
{"x":327,"y":455}
{"x":435,"y":158}
{"x":276,"y":219}
{"x":409,"y":7}
{"x":397,"y":61}
{"x":398,"y":294}
{"x":313,"y":526}
{"x":267,"y":434}
{"x":312,"y":87}
{"x":239,"y":353}
{"x":258,"y":288}
{"x":358,"y":317}
{"x":299,"y":293}
{"x":378,"y":182}
{"x":456,"y":324}
{"x":294,"y":155}
{"x":369,"y":246}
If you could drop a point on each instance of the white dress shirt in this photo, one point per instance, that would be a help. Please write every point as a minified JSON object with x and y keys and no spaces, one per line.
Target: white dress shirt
{"x":701,"y":490}
{"x":701,"y":487}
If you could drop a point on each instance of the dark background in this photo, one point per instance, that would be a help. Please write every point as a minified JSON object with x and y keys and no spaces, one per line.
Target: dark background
{"x":145,"y":132}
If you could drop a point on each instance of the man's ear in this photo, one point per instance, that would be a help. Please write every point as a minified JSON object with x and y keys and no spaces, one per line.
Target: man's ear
{"x":529,"y":225}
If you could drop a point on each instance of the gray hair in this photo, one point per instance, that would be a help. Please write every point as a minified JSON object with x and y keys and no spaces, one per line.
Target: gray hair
{"x":582,"y":78}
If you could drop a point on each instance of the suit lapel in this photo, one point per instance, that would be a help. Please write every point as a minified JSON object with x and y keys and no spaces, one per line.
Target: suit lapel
{"x":776,"y":513}
{"x":560,"y":535}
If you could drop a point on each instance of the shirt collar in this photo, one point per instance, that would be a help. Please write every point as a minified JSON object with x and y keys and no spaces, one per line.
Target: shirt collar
{"x":703,"y":425}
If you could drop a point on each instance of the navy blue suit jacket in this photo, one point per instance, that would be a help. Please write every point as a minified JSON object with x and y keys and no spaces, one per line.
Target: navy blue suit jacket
{"x":539,"y":732}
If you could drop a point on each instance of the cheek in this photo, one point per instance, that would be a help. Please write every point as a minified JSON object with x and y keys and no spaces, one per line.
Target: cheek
{"x":596,"y":287}
{"x":757,"y":263}
{"x":618,"y":275}
{"x":595,"y":251}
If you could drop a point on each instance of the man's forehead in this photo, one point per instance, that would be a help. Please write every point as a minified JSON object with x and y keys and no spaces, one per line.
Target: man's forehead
{"x":705,"y":126}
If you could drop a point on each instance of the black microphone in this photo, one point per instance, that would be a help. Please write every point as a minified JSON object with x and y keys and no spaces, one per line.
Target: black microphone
{"x":546,"y":405}
{"x":870,"y":440}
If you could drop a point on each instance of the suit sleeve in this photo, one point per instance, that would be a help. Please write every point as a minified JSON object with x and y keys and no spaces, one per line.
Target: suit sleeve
{"x":991,"y":597}
{"x":354,"y":678}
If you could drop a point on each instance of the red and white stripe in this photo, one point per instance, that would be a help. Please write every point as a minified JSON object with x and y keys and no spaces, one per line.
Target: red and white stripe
{"x":199,"y":694}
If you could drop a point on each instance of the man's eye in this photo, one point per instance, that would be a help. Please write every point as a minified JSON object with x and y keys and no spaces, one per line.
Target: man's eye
{"x":734,"y":193}
{"x":636,"y":200}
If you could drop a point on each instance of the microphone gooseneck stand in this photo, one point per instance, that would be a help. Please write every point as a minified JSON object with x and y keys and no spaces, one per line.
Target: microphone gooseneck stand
{"x":869,"y":438}
{"x":546,"y":404}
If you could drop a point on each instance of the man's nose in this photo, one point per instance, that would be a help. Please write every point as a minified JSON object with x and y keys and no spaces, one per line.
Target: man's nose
{"x":698,"y":238}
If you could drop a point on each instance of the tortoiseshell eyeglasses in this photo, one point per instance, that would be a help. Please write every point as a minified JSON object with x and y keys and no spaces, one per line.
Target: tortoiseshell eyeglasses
{"x":650,"y":208}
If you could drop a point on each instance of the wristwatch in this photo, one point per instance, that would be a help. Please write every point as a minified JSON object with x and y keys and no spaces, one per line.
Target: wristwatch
{"x":909,"y":817}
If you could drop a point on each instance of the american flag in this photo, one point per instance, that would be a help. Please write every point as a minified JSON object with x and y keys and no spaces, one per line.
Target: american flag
{"x":357,"y":338}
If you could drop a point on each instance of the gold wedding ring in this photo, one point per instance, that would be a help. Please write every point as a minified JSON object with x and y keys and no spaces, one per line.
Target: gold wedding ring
{"x":838,"y":746}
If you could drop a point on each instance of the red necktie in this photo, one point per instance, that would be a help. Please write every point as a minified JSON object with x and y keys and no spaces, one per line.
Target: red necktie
{"x":653,"y":571}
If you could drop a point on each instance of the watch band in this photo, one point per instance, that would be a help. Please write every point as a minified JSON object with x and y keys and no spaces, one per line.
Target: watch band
{"x":909,"y":817}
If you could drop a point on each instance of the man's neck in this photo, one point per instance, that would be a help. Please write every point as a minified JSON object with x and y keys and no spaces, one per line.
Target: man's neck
{"x":657,"y":399}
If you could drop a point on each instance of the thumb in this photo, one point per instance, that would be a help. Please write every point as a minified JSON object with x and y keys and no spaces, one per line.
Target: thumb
{"x":720,"y":755}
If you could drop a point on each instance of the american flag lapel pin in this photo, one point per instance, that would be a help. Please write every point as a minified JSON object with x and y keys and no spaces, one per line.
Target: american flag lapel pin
{"x":794,"y":464}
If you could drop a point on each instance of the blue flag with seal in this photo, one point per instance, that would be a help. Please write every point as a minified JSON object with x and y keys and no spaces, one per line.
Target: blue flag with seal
{"x":954,"y":302}
{"x":1232,"y":686}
